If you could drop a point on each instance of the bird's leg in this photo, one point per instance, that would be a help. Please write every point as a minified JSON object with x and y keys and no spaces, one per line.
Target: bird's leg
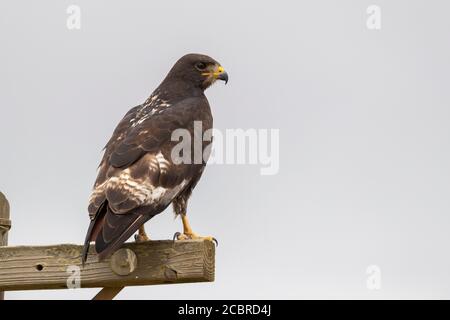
{"x":142,"y":235}
{"x":187,"y":230}
{"x":188,"y":233}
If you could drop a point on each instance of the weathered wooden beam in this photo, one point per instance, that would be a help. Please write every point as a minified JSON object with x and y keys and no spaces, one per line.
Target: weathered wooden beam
{"x":107,"y":293}
{"x":5,"y":225}
{"x":146,"y":263}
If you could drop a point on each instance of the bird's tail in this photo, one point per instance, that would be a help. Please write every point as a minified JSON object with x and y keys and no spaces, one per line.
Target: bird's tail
{"x":87,"y":243}
{"x":93,"y":230}
{"x":110,"y":230}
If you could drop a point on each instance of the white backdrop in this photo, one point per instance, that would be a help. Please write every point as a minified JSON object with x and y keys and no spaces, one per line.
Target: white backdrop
{"x":364,"y":137}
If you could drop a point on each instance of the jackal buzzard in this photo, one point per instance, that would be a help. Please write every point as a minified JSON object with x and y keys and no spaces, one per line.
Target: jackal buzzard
{"x":137,"y":176}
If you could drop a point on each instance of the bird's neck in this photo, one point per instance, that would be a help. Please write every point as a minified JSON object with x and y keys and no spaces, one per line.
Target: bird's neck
{"x":177,"y":89}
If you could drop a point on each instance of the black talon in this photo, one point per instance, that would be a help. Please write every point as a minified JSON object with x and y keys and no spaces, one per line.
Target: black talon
{"x":137,"y":238}
{"x":215,"y":240}
{"x":176,"y":235}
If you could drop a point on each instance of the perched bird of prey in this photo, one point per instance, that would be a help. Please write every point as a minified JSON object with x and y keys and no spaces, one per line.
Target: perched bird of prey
{"x":137,"y":177}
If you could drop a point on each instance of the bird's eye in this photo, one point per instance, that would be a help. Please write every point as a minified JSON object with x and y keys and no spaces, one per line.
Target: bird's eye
{"x":200,"y":66}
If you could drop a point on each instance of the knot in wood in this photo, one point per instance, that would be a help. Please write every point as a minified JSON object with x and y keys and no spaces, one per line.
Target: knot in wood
{"x":123,"y":262}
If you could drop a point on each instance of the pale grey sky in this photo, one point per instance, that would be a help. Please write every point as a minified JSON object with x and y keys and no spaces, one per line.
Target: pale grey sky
{"x":364,"y":136}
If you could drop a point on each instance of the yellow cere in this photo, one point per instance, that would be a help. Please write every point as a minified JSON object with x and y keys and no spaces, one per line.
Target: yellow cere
{"x":218,"y":71}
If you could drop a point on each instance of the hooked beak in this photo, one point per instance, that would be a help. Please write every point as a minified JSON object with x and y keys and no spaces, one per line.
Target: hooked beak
{"x":218,"y":73}
{"x":221,"y":74}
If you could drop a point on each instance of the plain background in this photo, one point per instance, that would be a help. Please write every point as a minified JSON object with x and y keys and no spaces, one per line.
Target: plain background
{"x":364,"y":136}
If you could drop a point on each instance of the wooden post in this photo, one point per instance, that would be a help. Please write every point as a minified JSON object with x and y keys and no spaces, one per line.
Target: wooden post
{"x":5,"y":225}
{"x":145,"y":263}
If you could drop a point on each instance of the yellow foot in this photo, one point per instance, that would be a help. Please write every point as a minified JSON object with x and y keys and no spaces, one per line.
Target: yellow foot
{"x":193,"y":236}
{"x":141,"y":238}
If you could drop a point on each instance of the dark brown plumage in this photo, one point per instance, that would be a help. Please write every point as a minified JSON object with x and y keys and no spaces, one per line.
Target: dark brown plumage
{"x":137,"y":176}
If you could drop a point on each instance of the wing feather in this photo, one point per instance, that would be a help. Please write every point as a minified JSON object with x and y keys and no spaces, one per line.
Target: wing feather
{"x":137,"y":178}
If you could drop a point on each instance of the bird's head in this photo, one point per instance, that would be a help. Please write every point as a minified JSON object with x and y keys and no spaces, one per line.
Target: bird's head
{"x":198,"y":70}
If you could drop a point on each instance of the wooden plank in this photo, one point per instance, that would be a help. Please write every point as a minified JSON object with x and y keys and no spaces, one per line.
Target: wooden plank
{"x":5,"y":225}
{"x":59,"y":266}
{"x":108,"y":293}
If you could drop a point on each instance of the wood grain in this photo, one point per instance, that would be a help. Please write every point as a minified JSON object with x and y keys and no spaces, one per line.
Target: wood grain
{"x":55,"y":267}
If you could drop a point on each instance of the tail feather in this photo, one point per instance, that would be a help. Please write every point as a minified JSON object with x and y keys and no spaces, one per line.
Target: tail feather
{"x":87,"y":242}
{"x":110,"y":230}
{"x":93,"y":230}
{"x":113,"y":235}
